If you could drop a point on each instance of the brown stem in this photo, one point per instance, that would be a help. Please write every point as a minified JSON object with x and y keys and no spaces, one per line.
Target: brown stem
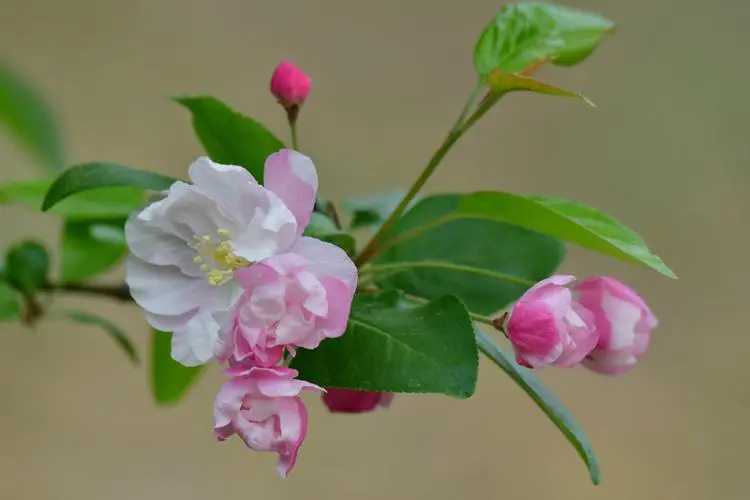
{"x":119,"y":292}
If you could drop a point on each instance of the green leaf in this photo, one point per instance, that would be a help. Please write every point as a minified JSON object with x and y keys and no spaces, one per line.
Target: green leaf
{"x":26,"y":115}
{"x":435,"y":250}
{"x":501,"y":83}
{"x":169,"y":379}
{"x":91,"y":247}
{"x":320,"y":225}
{"x":10,"y":307}
{"x":389,"y":348}
{"x":230,"y":137}
{"x":27,"y":266}
{"x":323,"y":228}
{"x":113,"y":330}
{"x":372,"y":210}
{"x":526,"y":33}
{"x":544,"y":399}
{"x":566,"y":220}
{"x":88,"y":176}
{"x":97,"y":204}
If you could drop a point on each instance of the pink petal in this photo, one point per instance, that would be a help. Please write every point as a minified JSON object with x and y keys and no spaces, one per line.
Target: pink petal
{"x":292,"y":176}
{"x":582,"y":337}
{"x":534,"y":331}
{"x":327,"y":259}
{"x":284,"y":387}
{"x":339,"y":298}
{"x":293,"y":423}
{"x":557,"y":280}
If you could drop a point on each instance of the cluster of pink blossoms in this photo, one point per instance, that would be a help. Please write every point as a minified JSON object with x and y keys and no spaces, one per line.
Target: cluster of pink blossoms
{"x":598,"y":322}
{"x":222,"y":264}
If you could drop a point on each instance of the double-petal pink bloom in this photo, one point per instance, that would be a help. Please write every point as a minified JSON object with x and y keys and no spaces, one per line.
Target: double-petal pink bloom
{"x":222,"y":264}
{"x":262,"y":406}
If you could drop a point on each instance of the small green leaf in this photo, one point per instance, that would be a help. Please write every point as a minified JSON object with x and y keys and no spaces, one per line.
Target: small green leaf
{"x":529,"y":32}
{"x":435,"y":250}
{"x":88,"y":176}
{"x":27,"y":116}
{"x":501,"y":83}
{"x":549,"y":404}
{"x":10,"y":307}
{"x":97,"y":204}
{"x":389,"y":348}
{"x":91,"y":247}
{"x":372,"y":210}
{"x":113,"y":330}
{"x":27,"y":266}
{"x":230,"y":137}
{"x":169,"y":379}
{"x":323,"y":228}
{"x":320,"y":225}
{"x":566,"y":220}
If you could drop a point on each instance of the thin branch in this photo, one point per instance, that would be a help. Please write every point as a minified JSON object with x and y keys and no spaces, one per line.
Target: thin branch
{"x":119,"y":292}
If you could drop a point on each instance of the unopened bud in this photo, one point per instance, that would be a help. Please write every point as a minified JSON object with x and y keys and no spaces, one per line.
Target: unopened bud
{"x":290,"y":85}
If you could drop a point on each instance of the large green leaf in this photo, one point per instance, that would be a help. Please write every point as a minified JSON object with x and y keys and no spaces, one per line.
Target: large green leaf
{"x":391,"y":348}
{"x":529,"y":32}
{"x":230,"y":137}
{"x":88,"y":176}
{"x":113,"y":330}
{"x":566,"y":220}
{"x":27,"y":117}
{"x":169,"y":379}
{"x":548,"y":402}
{"x":27,"y":266}
{"x":435,"y":250}
{"x":10,"y":307}
{"x":91,"y":247}
{"x":97,"y":204}
{"x":371,"y":210}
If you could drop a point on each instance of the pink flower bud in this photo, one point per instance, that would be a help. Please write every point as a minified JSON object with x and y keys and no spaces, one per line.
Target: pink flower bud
{"x":290,"y":85}
{"x":623,"y":320}
{"x":349,"y":401}
{"x":547,"y":327}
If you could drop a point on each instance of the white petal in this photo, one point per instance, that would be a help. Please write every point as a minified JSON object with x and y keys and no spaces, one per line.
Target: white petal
{"x":327,"y":259}
{"x":155,"y":246}
{"x":623,"y":317}
{"x":164,"y":289}
{"x":268,"y":232}
{"x":195,"y":343}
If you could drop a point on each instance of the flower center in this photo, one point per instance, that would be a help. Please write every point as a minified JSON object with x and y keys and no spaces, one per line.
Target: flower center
{"x":216,"y":258}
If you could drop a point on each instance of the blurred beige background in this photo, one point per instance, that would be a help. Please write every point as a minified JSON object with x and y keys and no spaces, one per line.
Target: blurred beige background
{"x":665,"y":151}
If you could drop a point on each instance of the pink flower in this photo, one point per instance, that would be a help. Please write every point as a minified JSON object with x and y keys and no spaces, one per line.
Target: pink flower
{"x":350,"y":401}
{"x":291,"y":300}
{"x":547,"y":327}
{"x":623,"y":320}
{"x":290,"y":85}
{"x":262,"y":406}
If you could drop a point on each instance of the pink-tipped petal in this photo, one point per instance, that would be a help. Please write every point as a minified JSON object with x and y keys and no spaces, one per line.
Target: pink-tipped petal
{"x":292,"y":176}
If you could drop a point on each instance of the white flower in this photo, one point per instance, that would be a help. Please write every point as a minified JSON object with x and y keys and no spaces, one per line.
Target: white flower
{"x":186,"y":247}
